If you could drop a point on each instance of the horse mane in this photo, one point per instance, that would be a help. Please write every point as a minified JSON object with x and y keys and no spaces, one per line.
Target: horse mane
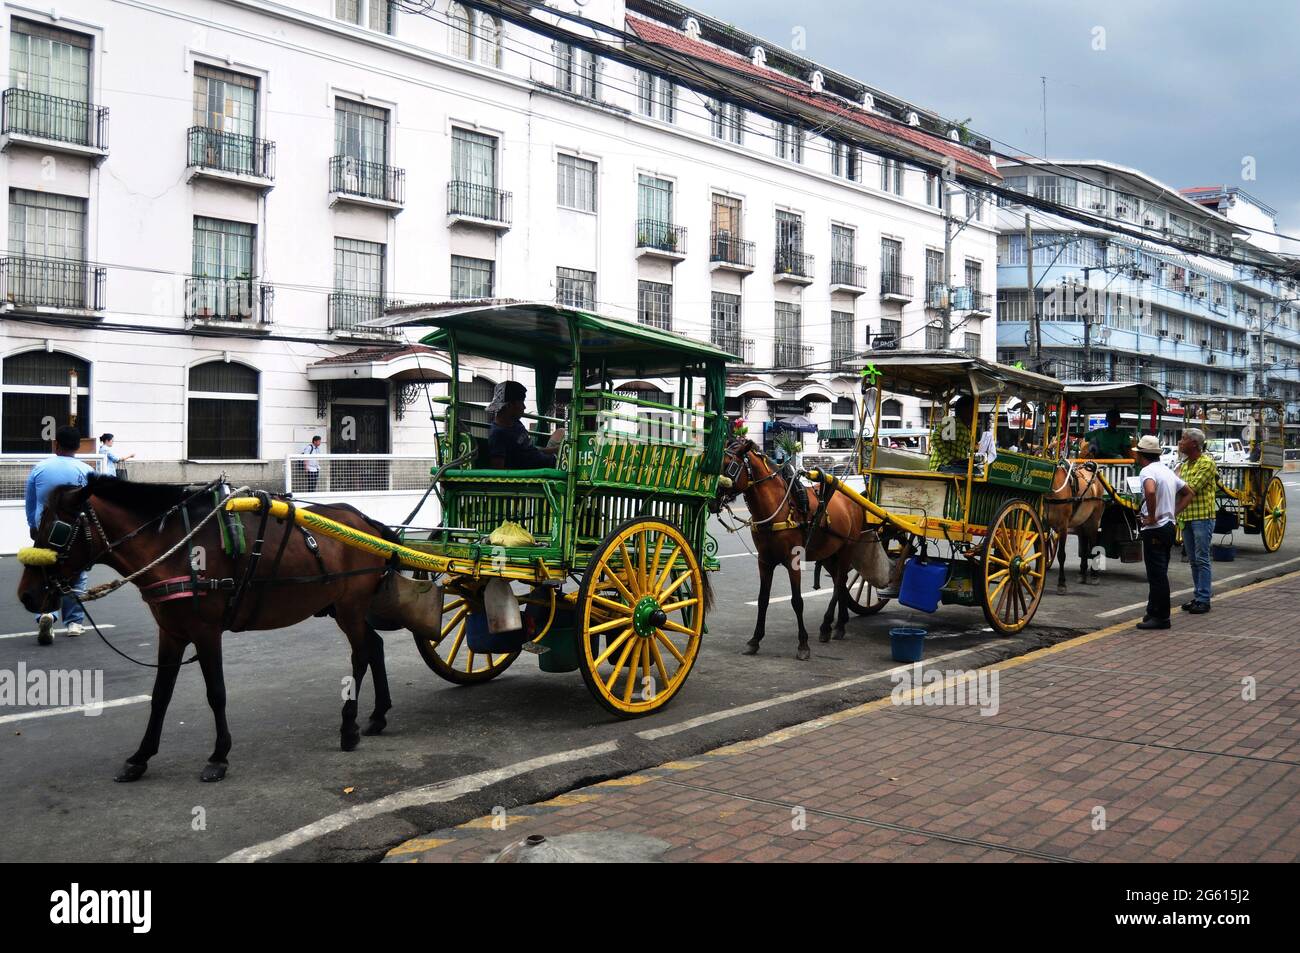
{"x":145,"y":499}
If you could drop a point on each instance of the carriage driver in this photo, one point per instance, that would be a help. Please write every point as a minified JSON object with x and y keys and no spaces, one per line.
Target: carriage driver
{"x":510,"y":447}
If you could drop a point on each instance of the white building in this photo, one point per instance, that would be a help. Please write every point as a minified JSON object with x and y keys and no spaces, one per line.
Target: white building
{"x":1117,"y":307}
{"x":277,"y":172}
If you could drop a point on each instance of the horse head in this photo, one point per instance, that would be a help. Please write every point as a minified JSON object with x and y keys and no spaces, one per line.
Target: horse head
{"x":67,"y":542}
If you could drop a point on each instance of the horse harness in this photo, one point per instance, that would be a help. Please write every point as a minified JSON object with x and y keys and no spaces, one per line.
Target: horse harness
{"x":767,"y":526}
{"x":1079,"y":493}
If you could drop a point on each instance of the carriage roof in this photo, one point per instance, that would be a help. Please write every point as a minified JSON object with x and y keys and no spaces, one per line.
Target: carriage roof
{"x":1232,"y":400}
{"x":927,"y":372}
{"x":1118,"y":394}
{"x":534,"y":332}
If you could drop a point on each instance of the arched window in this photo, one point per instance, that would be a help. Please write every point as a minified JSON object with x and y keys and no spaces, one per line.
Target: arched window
{"x":458,"y":31}
{"x":487,"y":35}
{"x":36,"y":398}
{"x":891,"y":413}
{"x":223,"y":412}
{"x":474,"y":35}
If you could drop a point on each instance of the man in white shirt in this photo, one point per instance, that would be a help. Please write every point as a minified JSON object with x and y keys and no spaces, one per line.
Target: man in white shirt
{"x":311,"y":464}
{"x":988,"y":444}
{"x":1164,"y":496}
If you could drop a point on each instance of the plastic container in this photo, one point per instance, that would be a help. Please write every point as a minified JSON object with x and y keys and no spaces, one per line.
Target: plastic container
{"x":921,"y":584}
{"x":1223,"y":552}
{"x":480,"y":639}
{"x":907,"y":644}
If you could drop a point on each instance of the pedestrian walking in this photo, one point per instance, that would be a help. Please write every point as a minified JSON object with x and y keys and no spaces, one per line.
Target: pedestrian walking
{"x":311,"y":464}
{"x":112,"y":459}
{"x":62,"y":468}
{"x":1197,"y":520}
{"x":1164,"y":496}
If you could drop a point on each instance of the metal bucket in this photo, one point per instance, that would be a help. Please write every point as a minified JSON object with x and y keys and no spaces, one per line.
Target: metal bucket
{"x":502,"y":607}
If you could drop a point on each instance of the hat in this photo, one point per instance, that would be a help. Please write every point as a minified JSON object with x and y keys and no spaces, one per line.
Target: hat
{"x":1149,"y":444}
{"x":504,"y":393}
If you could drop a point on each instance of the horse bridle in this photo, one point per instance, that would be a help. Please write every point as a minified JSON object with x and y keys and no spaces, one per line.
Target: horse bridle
{"x":734,"y":462}
{"x":1079,"y":492}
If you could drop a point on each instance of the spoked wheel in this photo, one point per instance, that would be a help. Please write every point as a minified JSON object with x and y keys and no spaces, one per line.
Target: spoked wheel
{"x":640,"y":617}
{"x":450,"y":655}
{"x":1274,"y":521}
{"x":1014,"y":561}
{"x":864,"y":598}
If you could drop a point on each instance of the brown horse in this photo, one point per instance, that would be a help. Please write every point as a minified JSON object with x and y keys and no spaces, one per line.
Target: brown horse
{"x":127,"y":525}
{"x":1075,"y":504}
{"x":781,"y":537}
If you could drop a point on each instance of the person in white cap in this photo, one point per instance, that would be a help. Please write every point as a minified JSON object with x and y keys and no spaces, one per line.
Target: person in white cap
{"x":1164,"y":496}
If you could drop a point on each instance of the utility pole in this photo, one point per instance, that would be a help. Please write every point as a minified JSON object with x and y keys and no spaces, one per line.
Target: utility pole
{"x":1260,"y":390}
{"x":1087,"y":330}
{"x":947,"y":263}
{"x":1034,"y":356}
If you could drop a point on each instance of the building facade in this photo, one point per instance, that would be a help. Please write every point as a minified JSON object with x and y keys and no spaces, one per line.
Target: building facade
{"x":1117,"y":307}
{"x":206,"y":201}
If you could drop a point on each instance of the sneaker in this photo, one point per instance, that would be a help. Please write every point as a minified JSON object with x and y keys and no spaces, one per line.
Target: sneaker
{"x":75,"y":628}
{"x":45,"y":630}
{"x":1154,"y":624}
{"x":1187,"y":606}
{"x":1199,"y":608}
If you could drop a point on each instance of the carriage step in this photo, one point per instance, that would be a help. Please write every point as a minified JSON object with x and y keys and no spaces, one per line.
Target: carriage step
{"x":535,"y":648}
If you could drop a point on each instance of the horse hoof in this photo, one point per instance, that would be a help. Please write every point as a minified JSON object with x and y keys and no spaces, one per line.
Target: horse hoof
{"x":751,"y":648}
{"x":213,"y":771}
{"x":376,"y":726}
{"x":131,"y":772}
{"x":349,"y":738}
{"x":1061,"y":590}
{"x":824,"y":636}
{"x":803,"y":654}
{"x":839,"y":634}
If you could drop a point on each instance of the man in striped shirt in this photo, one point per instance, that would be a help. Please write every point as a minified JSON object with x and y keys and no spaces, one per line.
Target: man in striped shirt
{"x":1197,"y":520}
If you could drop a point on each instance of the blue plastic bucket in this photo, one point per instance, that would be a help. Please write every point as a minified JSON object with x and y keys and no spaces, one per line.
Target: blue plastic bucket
{"x":921,"y":584}
{"x":480,"y":640}
{"x":1223,"y":552}
{"x":907,"y":644}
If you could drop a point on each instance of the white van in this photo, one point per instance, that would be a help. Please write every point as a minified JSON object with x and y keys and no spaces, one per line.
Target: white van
{"x":1229,"y":450}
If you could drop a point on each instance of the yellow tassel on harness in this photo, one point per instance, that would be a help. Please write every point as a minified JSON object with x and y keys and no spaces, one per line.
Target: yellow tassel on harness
{"x":37,"y":556}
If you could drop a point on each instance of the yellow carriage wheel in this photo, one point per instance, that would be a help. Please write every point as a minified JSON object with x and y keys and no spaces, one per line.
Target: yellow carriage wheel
{"x":450,"y":656}
{"x":1274,"y":523}
{"x":1013,"y":567}
{"x":640,"y":617}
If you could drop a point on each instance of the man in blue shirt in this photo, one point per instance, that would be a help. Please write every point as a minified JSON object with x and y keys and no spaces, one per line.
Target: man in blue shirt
{"x":509,"y":445}
{"x":61,"y":469}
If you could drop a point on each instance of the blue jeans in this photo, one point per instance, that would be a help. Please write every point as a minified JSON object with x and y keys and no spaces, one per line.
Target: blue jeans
{"x":1197,"y":535}
{"x":70,"y":609}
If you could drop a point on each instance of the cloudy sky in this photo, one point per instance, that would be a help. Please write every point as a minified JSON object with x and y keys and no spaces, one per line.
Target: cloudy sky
{"x":1188,"y":91}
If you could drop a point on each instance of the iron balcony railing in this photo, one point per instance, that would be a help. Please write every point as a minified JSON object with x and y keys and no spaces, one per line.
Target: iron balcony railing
{"x":791,"y":261}
{"x":52,"y":283}
{"x":348,"y":310}
{"x":847,"y":273}
{"x":54,"y":118}
{"x":791,"y":354}
{"x":936,"y":294}
{"x":478,"y":201}
{"x":743,"y":348}
{"x":370,"y":180}
{"x":840,"y":357}
{"x":892,"y":283}
{"x":230,"y":152}
{"x":727,"y":248}
{"x":229,"y":299}
{"x":662,"y":236}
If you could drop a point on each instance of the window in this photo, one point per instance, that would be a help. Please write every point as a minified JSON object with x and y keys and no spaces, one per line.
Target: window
{"x":225,"y":114}
{"x":222,"y":412}
{"x":576,"y":70}
{"x":933,"y":190}
{"x":358,"y":267}
{"x":727,"y":121}
{"x":974,"y":275}
{"x":654,"y":200}
{"x":891,"y":256}
{"x":44,"y":225}
{"x":841,"y":337}
{"x":471,"y":277}
{"x":935,"y":280}
{"x":36,"y":386}
{"x":789,"y":141}
{"x":49,"y":61}
{"x":377,"y":14}
{"x":724,"y":326}
{"x":844,"y":161}
{"x":891,"y":331}
{"x":788,"y":350}
{"x":726,"y":217}
{"x":577,"y":183}
{"x":656,"y":96}
{"x":935,"y":339}
{"x":222,"y":285}
{"x":473,"y":35}
{"x":654,"y":304}
{"x":843,"y":245}
{"x":361,"y":131}
{"x":973,"y":345}
{"x":575,"y":288}
{"x":472,"y":190}
{"x":789,"y":243}
{"x":891,"y":177}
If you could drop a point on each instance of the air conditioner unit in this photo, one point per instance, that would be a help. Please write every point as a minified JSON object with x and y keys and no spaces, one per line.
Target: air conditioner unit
{"x":1178,"y":337}
{"x":1149,"y":222}
{"x":1163,"y":333}
{"x":1205,"y":342}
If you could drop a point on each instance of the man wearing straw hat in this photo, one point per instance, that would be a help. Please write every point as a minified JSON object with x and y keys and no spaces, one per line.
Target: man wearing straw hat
{"x":1164,"y":496}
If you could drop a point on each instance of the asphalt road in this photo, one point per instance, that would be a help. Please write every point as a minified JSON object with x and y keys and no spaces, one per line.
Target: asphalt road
{"x":450,"y":753}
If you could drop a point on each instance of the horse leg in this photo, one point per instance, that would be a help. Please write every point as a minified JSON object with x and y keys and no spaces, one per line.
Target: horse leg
{"x":170,"y":651}
{"x":355,"y":629}
{"x":764,"y":593}
{"x":824,"y":633}
{"x":796,"y":603}
{"x":842,"y":595}
{"x":209,"y":649}
{"x":383,"y":701}
{"x":1091,"y":532}
{"x":1062,"y":539}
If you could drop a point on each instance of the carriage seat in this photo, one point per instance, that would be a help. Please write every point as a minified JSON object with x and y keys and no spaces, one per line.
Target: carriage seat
{"x":888,"y":458}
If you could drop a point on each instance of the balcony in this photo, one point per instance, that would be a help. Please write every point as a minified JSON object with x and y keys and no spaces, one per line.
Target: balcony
{"x":474,"y":204}
{"x":57,"y":284}
{"x":792,"y":265}
{"x":936,"y":295}
{"x":840,"y":358}
{"x":967,"y":299}
{"x":242,"y":304}
{"x":230,"y":157}
{"x":348,"y":310}
{"x":730,"y":253}
{"x":895,"y":287}
{"x":660,"y":239}
{"x":373,"y":184}
{"x":743,"y":348}
{"x":791,"y":354}
{"x":846,"y":276}
{"x":53,"y":124}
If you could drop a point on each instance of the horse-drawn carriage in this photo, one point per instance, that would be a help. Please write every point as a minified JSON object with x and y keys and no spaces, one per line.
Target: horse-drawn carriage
{"x":988,"y":513}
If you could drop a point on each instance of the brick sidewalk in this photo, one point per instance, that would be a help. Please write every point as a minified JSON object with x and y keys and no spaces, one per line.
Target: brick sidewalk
{"x":1119,"y":745}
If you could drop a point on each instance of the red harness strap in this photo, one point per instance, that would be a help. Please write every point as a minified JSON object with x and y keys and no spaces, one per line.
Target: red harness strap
{"x":179,"y":587}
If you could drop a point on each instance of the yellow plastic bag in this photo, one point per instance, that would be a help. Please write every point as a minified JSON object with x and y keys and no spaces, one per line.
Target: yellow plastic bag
{"x":510,"y":533}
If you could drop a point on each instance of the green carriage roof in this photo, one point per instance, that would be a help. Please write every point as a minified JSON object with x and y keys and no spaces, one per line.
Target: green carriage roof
{"x":926,"y":372}
{"x":1122,"y":395}
{"x":535,"y":332}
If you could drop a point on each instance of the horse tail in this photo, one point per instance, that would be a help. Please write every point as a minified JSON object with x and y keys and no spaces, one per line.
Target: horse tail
{"x":707,"y":592}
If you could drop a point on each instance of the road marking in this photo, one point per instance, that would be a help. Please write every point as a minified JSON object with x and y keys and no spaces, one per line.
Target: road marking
{"x":809,"y":594}
{"x":436,"y":793}
{"x":19,"y":635}
{"x":72,"y":709}
{"x":734,"y":555}
{"x":1182,"y":592}
{"x":653,"y":733}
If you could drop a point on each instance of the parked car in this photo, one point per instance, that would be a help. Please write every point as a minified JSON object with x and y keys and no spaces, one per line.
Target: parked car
{"x":1169,"y":455}
{"x":1228,"y":450}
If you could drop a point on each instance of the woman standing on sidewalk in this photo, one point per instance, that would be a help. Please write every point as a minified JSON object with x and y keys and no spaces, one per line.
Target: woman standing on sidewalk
{"x":1197,"y":521}
{"x":1164,"y":496}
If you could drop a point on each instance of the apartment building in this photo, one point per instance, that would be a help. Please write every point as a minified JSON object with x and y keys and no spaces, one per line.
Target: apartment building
{"x":206,"y":202}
